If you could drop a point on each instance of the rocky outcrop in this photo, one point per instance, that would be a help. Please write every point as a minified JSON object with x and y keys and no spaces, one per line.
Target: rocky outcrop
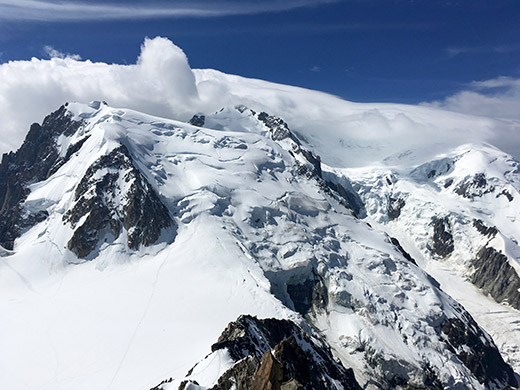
{"x":347,"y":195}
{"x":36,"y":160}
{"x":284,"y":355}
{"x":507,"y":194}
{"x":496,"y":277}
{"x":443,"y":244}
{"x":277,"y":355}
{"x":277,"y":127}
{"x":330,"y":184}
{"x":113,"y":195}
{"x":488,"y":231}
{"x":197,"y":120}
{"x":308,"y":295}
{"x":477,"y":352}
{"x":475,"y":186}
{"x":405,"y":254}
{"x":394,"y":207}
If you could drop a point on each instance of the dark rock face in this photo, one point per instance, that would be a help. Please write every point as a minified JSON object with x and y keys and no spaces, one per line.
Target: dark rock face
{"x":308,"y":294}
{"x":483,"y":229}
{"x":477,"y":352}
{"x":114,"y":194}
{"x":405,"y":254}
{"x":507,"y":194}
{"x":197,"y":120}
{"x":277,"y":127}
{"x":348,"y":197}
{"x":442,"y":238}
{"x":475,"y":187}
{"x":496,"y":277}
{"x":240,"y":376}
{"x":277,"y":354}
{"x":394,"y":207}
{"x":448,"y":183}
{"x":35,"y":161}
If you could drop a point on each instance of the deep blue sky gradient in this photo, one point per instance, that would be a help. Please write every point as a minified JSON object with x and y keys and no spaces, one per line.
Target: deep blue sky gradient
{"x":362,"y":50}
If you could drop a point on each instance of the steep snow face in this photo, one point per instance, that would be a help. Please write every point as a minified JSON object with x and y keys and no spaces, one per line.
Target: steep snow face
{"x":262,"y":228}
{"x":459,"y":216}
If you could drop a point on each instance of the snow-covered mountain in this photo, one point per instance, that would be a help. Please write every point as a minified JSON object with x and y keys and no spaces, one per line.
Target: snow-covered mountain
{"x":130,"y":242}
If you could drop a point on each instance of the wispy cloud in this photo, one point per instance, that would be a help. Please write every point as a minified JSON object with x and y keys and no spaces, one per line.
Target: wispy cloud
{"x":47,"y":10}
{"x":456,"y":51}
{"x":315,"y":69}
{"x":499,"y":82}
{"x":51,"y":52}
{"x":498,"y":98}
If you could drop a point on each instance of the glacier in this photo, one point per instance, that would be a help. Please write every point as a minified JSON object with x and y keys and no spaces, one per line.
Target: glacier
{"x":386,"y":234}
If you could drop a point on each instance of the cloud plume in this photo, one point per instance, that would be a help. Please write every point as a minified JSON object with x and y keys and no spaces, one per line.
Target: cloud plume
{"x":160,"y":83}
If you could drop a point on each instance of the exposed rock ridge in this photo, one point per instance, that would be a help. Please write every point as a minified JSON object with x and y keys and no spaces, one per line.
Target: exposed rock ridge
{"x":478,"y":352}
{"x":394,"y":207}
{"x":114,"y":194}
{"x":475,"y":186}
{"x":346,"y":195}
{"x":278,"y":355}
{"x":443,"y":244}
{"x":405,"y":254}
{"x":496,"y":277}
{"x":197,"y":120}
{"x":36,"y":160}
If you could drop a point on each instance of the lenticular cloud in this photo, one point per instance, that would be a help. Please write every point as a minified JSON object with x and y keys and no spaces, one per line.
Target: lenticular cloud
{"x":160,"y":83}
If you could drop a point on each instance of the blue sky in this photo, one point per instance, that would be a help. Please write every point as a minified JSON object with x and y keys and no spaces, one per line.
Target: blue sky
{"x":363,"y":50}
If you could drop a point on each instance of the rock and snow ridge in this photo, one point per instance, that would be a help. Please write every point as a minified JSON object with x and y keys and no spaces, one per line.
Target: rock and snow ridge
{"x":133,"y":231}
{"x":258,"y":354}
{"x":458,"y":213}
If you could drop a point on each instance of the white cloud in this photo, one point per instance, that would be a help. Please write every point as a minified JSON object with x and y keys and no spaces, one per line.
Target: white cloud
{"x":496,"y":98}
{"x":53,"y":53}
{"x":315,"y":69}
{"x":160,"y":83}
{"x":46,"y":10}
{"x":456,"y":51}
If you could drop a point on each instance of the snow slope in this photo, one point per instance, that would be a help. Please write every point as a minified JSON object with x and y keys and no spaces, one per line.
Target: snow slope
{"x":439,"y":189}
{"x":368,"y":142}
{"x":257,"y":228}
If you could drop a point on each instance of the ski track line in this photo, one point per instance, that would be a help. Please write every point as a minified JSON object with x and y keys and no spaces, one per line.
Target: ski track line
{"x":145,"y":312}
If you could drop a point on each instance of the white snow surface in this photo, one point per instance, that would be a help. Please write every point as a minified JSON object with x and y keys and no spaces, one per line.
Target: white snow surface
{"x":429,"y":191}
{"x":247,"y":224}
